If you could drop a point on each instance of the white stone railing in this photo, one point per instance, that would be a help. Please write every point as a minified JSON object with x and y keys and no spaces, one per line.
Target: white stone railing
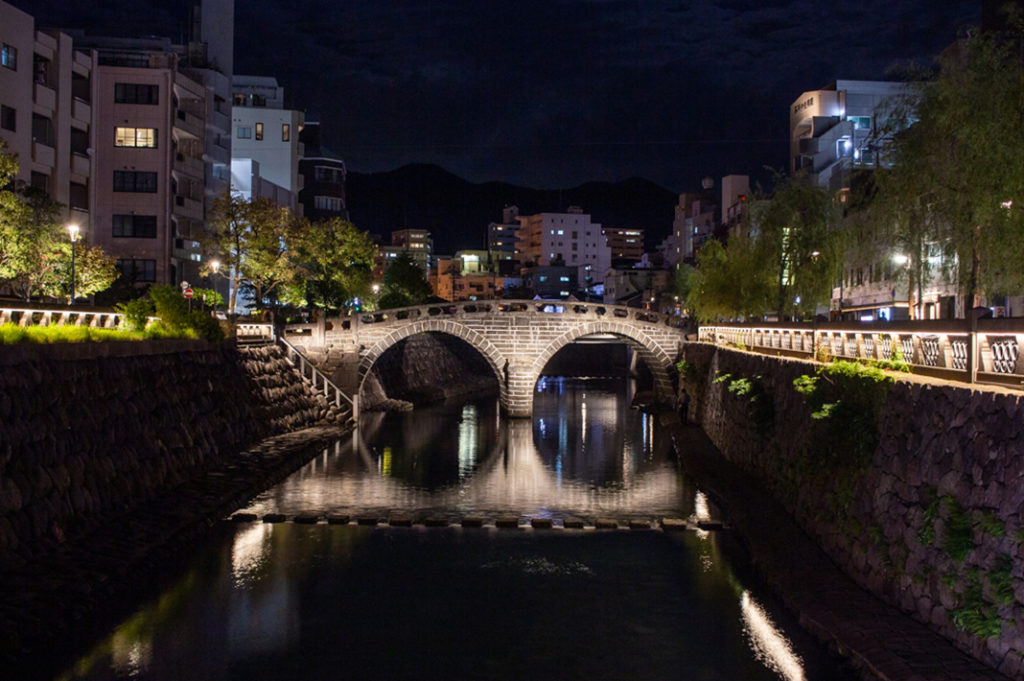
{"x":986,"y":351}
{"x":317,"y":378}
{"x":70,"y":316}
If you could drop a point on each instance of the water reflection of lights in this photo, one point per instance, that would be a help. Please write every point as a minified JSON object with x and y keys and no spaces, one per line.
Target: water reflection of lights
{"x":468,"y":442}
{"x":384,"y":464}
{"x":130,"y":656}
{"x":770,"y":646}
{"x":249,"y":553}
{"x":701,"y":512}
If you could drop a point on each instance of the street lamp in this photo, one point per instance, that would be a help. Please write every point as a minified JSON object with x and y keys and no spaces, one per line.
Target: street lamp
{"x":214,"y":265}
{"x":73,"y":233}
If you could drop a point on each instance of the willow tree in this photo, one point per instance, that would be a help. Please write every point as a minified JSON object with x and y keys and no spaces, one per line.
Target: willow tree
{"x":729,"y":282}
{"x":798,"y":244}
{"x":958,"y":170}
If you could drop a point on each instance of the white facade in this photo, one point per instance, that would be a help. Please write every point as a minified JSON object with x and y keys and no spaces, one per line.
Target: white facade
{"x":548,"y":238}
{"x":267,"y":135}
{"x":839,"y":127}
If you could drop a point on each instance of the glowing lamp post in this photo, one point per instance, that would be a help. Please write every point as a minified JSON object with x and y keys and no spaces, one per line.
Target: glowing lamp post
{"x":73,"y":233}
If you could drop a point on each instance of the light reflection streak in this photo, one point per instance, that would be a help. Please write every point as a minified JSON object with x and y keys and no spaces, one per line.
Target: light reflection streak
{"x":701,"y":512}
{"x":467,"y":440}
{"x":770,"y":647}
{"x":249,"y":553}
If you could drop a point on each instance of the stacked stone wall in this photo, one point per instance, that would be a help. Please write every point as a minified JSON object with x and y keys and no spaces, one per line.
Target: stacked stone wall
{"x":933,"y":523}
{"x":90,"y":430}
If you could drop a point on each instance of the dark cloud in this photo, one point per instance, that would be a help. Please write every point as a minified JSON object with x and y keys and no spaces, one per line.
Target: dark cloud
{"x":556,"y":92}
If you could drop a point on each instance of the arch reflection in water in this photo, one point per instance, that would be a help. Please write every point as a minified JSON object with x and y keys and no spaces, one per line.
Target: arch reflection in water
{"x":586,"y":452}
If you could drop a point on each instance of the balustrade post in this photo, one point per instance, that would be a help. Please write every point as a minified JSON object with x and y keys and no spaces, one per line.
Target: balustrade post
{"x":972,"y":347}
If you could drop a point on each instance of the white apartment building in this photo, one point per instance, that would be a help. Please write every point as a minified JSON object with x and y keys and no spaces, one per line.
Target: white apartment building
{"x":265,"y":146}
{"x":568,"y":238}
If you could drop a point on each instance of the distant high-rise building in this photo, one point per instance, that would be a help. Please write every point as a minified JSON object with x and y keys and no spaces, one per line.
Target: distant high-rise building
{"x":416,"y":242}
{"x":626,"y":244}
{"x":501,"y":237}
{"x":735,"y":201}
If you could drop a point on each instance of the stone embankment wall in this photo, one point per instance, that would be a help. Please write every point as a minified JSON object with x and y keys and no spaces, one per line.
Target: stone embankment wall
{"x":425,"y":369}
{"x":933,"y":523}
{"x":89,"y":430}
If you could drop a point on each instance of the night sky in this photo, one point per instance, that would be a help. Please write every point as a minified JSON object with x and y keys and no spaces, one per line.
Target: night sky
{"x":553,"y":93}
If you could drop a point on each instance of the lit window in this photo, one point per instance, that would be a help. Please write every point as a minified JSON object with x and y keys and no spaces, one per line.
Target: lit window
{"x":563,"y":278}
{"x":140,"y":138}
{"x":259,"y":131}
{"x":244,"y":133}
{"x":9,"y":57}
{"x":286,"y":132}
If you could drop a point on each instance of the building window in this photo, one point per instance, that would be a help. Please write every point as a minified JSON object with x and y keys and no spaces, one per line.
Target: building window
{"x":332,"y":203}
{"x":328,"y":175}
{"x":8,"y":119}
{"x":259,"y":132}
{"x":139,"y":138}
{"x":134,"y":226}
{"x":136,"y":93}
{"x":286,"y":132}
{"x":244,"y":133}
{"x":42,"y":130}
{"x":860,"y":122}
{"x":40,"y":181}
{"x":134,"y":181}
{"x":137,"y":270}
{"x":9,"y":56}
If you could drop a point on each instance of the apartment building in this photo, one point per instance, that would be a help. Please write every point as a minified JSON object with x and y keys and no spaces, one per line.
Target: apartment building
{"x":323,"y":178}
{"x":416,"y":242}
{"x":46,"y":118}
{"x":565,"y":239}
{"x":626,"y":244}
{"x":501,"y":237}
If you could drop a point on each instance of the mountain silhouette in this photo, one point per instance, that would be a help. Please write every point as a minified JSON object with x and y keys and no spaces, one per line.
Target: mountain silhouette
{"x":457,"y":212}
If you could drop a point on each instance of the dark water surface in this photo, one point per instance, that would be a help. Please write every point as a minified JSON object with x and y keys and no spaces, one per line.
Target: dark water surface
{"x":292,"y":601}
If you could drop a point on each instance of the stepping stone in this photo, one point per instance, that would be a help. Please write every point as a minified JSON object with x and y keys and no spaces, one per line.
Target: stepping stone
{"x":435,"y":521}
{"x":709,"y":524}
{"x":245,"y":517}
{"x":274,"y":518}
{"x":639,"y":524}
{"x":573,"y":523}
{"x":337,"y":520}
{"x":367,"y":520}
{"x":400,"y":521}
{"x":541,"y":523}
{"x":307,"y":519}
{"x":472,"y":521}
{"x":606,"y":524}
{"x":507,"y":522}
{"x":673,"y":524}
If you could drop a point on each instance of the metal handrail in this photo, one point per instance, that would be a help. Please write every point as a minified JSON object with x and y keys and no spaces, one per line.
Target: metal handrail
{"x":987,"y":351}
{"x":317,"y":378}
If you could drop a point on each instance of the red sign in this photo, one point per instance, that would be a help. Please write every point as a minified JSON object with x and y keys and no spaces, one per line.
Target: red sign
{"x":188,"y":293}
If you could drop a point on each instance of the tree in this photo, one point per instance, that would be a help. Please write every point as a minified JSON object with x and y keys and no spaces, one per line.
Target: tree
{"x":797,"y":244}
{"x":35,"y":250}
{"x":957,"y":178}
{"x":729,"y":282}
{"x":339,"y":262}
{"x":252,"y":238}
{"x":404,"y":283}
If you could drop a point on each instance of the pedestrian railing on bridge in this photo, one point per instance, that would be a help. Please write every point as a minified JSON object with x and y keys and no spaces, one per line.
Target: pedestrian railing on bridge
{"x":987,"y":350}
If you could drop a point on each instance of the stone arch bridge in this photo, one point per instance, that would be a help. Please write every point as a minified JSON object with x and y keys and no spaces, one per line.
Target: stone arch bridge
{"x":515,"y":337}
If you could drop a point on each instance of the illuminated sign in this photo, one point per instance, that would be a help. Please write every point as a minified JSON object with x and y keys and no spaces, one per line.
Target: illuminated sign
{"x":800,"y":106}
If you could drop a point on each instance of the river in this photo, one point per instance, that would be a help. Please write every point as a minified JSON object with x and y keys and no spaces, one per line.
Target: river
{"x":336,"y":601}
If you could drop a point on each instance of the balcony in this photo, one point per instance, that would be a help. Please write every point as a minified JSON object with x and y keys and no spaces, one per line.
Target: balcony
{"x":81,"y":110}
{"x":45,"y":97}
{"x":43,"y":154}
{"x":81,"y":164}
{"x":189,"y":165}
{"x":189,"y":123}
{"x":187,"y":207}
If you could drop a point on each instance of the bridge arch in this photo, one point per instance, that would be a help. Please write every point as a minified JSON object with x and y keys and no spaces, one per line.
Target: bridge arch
{"x":652,"y":353}
{"x":477,"y":340}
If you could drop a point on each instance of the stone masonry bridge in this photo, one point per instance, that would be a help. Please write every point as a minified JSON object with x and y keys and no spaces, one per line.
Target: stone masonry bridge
{"x":515,"y":337}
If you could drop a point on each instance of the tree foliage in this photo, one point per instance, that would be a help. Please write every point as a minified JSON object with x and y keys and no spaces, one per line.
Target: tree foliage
{"x":35,"y":249}
{"x":957,"y":180}
{"x":404,"y":283}
{"x":338,"y":259}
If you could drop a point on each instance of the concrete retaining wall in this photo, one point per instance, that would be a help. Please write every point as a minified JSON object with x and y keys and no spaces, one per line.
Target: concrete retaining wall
{"x":933,"y":524}
{"x":91,"y":429}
